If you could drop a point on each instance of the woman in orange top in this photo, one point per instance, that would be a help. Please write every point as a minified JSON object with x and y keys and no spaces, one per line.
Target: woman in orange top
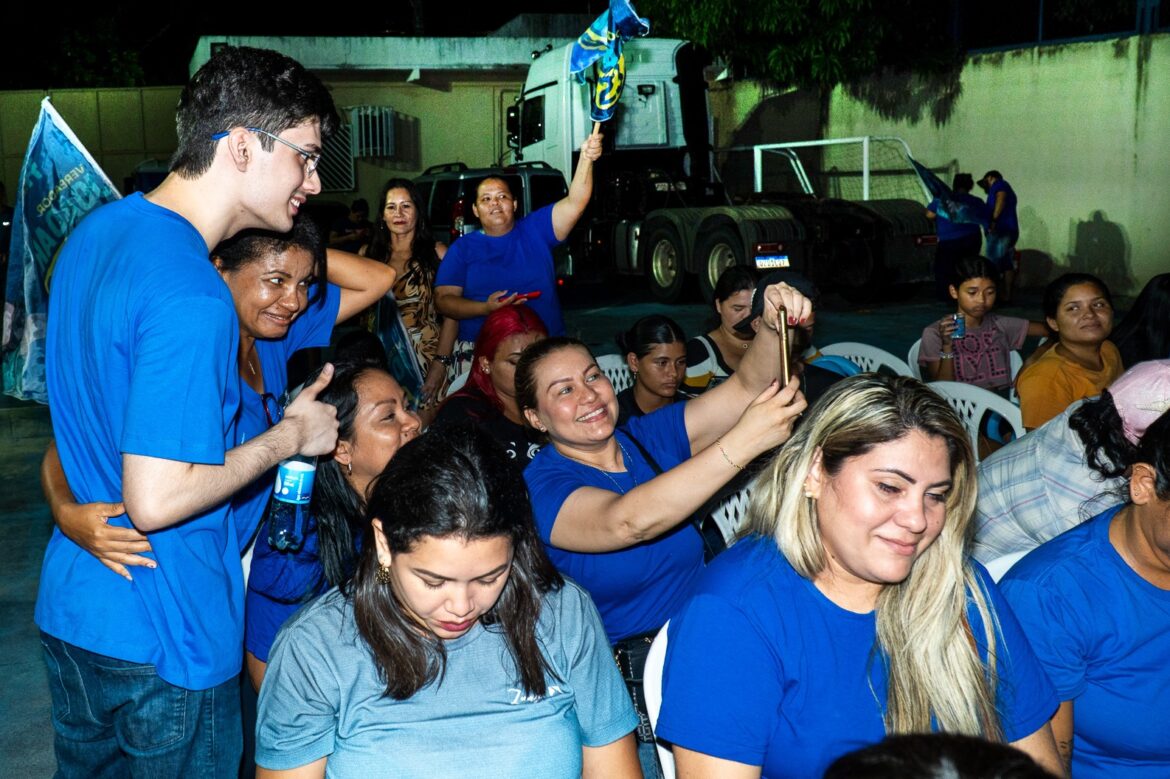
{"x":1079,"y":312}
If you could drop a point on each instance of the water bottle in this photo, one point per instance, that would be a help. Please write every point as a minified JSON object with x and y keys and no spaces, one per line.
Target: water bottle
{"x":960,"y":326}
{"x":288,"y":512}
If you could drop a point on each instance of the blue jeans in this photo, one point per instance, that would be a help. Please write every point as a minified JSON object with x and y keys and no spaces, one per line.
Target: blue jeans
{"x":114,"y":718}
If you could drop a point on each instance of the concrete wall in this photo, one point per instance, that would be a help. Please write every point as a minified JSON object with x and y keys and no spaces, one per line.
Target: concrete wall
{"x":459,"y":120}
{"x":1079,"y":130}
{"x":120,"y":127}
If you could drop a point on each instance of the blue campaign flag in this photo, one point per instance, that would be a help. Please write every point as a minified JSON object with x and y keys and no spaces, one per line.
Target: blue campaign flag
{"x":950,"y":206}
{"x":600,"y":46}
{"x":59,"y":184}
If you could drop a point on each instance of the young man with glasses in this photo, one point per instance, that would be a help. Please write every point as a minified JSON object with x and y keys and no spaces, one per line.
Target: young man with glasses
{"x":144,"y":392}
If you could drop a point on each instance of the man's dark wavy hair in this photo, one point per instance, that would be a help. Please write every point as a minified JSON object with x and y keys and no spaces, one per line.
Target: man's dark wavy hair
{"x":245,"y":87}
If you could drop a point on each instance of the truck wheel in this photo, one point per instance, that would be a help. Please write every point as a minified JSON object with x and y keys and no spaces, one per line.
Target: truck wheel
{"x":715,"y":252}
{"x":663,"y":262}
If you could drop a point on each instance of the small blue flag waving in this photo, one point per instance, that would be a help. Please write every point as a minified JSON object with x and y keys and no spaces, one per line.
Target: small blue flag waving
{"x":59,"y":184}
{"x":601,"y":46}
{"x":950,"y":207}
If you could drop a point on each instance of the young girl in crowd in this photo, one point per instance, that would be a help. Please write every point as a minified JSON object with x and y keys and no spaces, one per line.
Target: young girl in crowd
{"x":1079,"y":311}
{"x":982,"y":355}
{"x":455,"y":649}
{"x":655,"y":351}
{"x":851,"y":610}
{"x":1095,"y":603}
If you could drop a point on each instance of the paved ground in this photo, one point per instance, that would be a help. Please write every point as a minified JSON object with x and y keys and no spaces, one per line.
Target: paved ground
{"x":26,"y":735}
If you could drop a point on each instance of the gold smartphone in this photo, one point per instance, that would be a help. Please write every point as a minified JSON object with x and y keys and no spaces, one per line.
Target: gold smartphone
{"x":782,"y":328}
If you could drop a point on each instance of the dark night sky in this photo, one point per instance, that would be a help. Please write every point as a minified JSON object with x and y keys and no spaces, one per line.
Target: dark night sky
{"x":40,"y":51}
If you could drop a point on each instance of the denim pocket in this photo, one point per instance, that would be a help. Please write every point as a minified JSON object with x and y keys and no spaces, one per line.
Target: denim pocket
{"x":155,"y":714}
{"x":65,"y":684}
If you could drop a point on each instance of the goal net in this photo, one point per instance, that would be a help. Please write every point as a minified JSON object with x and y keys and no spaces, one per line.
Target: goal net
{"x":867,"y":168}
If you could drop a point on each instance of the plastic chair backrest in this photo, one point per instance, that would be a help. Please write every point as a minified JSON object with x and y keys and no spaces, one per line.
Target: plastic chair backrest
{"x":729,"y":515}
{"x":652,"y":685}
{"x":868,"y":358}
{"x":839,"y":365}
{"x":912,"y":360}
{"x":616,"y":370}
{"x":458,"y":382}
{"x":1001,"y":565}
{"x":971,"y":403}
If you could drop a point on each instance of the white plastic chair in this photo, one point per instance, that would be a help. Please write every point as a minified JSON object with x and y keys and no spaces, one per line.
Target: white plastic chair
{"x":912,"y":360}
{"x":971,"y":403}
{"x":869,"y":358}
{"x":729,"y":515}
{"x":652,"y":686}
{"x":458,"y":382}
{"x":1001,"y":565}
{"x":616,"y":370}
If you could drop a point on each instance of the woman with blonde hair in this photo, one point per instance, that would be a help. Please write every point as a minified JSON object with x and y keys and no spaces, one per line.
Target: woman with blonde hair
{"x":850,"y":610}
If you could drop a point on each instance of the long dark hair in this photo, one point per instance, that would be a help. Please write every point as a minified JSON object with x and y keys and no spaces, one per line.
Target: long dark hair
{"x":1098,"y":424}
{"x":423,"y":258}
{"x":451,"y":482}
{"x":1154,"y":450}
{"x":335,"y":506}
{"x":1144,"y":333}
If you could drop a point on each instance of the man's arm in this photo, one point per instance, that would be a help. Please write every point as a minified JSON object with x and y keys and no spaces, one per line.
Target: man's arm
{"x":568,"y":209}
{"x":159,"y":493}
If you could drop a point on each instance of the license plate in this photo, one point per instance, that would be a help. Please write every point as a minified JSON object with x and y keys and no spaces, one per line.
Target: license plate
{"x":769,"y":261}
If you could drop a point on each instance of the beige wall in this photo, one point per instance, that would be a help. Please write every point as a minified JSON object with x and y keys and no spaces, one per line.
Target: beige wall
{"x":460,"y":121}
{"x":1081,"y":133}
{"x":119,"y":127}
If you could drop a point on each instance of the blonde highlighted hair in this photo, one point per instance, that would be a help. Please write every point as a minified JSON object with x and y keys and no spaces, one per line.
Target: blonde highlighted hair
{"x":936,"y":677}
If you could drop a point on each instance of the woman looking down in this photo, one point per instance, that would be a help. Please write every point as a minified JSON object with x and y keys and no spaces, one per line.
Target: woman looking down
{"x":851,"y":610}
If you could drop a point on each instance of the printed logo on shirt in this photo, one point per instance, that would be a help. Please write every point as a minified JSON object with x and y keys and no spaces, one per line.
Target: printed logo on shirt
{"x":519,"y":696}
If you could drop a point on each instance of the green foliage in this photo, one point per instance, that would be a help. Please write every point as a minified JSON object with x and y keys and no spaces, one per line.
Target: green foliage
{"x":812,"y":43}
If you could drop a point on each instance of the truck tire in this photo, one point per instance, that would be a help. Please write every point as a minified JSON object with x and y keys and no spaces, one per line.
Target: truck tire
{"x":662,"y":254}
{"x":715,"y":252}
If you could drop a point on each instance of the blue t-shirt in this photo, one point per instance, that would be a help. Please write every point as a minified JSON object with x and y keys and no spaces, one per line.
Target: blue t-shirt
{"x":1007,"y":222}
{"x":1102,"y":633}
{"x":635,"y":589}
{"x":322,"y":697}
{"x":312,"y":328}
{"x":763,"y":669}
{"x":141,"y":359}
{"x":521,"y":260}
{"x":951,"y":231}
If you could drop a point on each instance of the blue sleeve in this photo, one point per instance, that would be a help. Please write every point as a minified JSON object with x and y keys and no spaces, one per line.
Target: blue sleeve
{"x":721,"y":686}
{"x":184,"y":360}
{"x":664,"y":434}
{"x":299,"y":700}
{"x":542,"y":223}
{"x":1054,"y":627}
{"x":1025,"y":697}
{"x":550,"y":483}
{"x":453,"y":268}
{"x":315,"y":326}
{"x":604,"y":709}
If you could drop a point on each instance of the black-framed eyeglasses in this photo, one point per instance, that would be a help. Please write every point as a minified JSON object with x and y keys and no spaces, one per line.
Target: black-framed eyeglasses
{"x":272,"y":409}
{"x":311,"y":158}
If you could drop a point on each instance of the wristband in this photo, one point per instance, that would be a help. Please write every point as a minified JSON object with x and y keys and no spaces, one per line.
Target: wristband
{"x":445,"y":359}
{"x":946,"y":355}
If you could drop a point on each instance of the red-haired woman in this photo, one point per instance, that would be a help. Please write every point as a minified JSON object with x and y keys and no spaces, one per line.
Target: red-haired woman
{"x":488,"y":399}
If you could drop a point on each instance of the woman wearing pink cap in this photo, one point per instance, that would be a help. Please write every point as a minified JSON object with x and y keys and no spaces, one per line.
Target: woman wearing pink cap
{"x":1060,"y":474}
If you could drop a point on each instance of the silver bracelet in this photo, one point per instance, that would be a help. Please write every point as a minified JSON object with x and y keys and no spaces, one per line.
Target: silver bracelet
{"x":946,"y":355}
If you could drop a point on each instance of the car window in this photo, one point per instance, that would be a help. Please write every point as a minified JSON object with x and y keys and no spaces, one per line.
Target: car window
{"x":445,"y":193}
